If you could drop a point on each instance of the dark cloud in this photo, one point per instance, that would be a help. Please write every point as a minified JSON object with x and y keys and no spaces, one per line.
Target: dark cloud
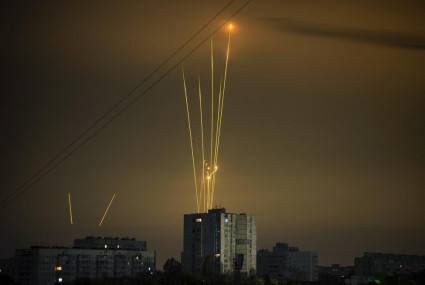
{"x":378,"y":37}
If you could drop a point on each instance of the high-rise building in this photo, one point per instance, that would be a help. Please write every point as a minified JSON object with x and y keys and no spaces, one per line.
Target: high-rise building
{"x":89,"y":258}
{"x":219,"y":243}
{"x":286,"y":262}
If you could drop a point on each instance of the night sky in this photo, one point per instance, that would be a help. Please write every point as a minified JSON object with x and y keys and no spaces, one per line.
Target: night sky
{"x":323,"y":135}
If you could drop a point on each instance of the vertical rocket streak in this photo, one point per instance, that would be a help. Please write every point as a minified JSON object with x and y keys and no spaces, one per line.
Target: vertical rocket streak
{"x":216,"y":137}
{"x":202,"y":139}
{"x":212,"y":108}
{"x":191,"y":143}
{"x":70,"y":208}
{"x":222,"y":102}
{"x":107,"y":209}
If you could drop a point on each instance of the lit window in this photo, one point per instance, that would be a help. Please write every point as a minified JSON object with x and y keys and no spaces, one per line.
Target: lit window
{"x":149,"y":268}
{"x":106,"y":246}
{"x":226,"y":220}
{"x":60,"y":280}
{"x":217,"y":255}
{"x":137,"y":258}
{"x":118,"y":246}
{"x":199,"y":220}
{"x":59,"y":268}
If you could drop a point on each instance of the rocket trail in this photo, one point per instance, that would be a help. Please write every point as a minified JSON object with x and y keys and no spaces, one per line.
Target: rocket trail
{"x":206,"y":189}
{"x":216,"y":134}
{"x":212,"y":109}
{"x":70,"y":208}
{"x":107,"y":209}
{"x":202,"y":139}
{"x":191,"y":143}
{"x":222,"y":100}
{"x":223,"y":92}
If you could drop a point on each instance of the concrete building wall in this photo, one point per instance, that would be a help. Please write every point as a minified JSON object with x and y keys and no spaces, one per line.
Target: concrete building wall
{"x":371,"y":264}
{"x":7,"y":266}
{"x":109,"y":242}
{"x":215,"y":239}
{"x":303,"y":263}
{"x":246,"y":242}
{"x":46,"y":266}
{"x":286,"y":262}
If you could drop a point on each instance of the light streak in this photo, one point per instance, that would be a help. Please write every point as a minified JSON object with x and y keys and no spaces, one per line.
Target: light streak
{"x":216,"y":137}
{"x":223,"y":92}
{"x":205,"y":195}
{"x":212,"y":106}
{"x":191,"y":142}
{"x":70,"y":208}
{"x":222,"y":104}
{"x":107,"y":209}
{"x":202,"y":137}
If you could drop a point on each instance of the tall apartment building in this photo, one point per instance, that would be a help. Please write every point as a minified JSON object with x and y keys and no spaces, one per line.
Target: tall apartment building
{"x":220,"y":243}
{"x":286,"y":262}
{"x":89,"y":258}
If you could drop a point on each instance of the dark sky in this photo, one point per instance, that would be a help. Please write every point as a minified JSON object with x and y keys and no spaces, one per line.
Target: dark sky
{"x":323,"y":133}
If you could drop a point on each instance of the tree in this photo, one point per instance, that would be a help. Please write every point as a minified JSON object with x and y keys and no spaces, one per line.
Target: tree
{"x":172,"y":266}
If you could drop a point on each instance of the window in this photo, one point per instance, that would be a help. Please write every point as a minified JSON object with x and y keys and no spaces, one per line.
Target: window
{"x":106,"y":246}
{"x":226,"y":220}
{"x":199,"y":220}
{"x":60,"y":280}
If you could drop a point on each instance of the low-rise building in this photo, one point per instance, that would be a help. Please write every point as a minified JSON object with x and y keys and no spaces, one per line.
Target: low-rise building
{"x":6,"y":266}
{"x":286,"y":262}
{"x":89,"y":258}
{"x":368,"y":266}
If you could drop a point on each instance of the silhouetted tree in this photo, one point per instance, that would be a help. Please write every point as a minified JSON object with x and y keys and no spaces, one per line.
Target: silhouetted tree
{"x":172,"y":266}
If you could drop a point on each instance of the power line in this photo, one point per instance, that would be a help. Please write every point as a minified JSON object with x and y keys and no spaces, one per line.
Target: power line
{"x":30,"y":182}
{"x":116,"y":105}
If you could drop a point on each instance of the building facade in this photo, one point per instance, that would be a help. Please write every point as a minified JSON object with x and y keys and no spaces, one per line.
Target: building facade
{"x":286,"y":262}
{"x":370,"y":265}
{"x":219,"y":243}
{"x":337,"y":271}
{"x":6,"y":266}
{"x":93,"y":258}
